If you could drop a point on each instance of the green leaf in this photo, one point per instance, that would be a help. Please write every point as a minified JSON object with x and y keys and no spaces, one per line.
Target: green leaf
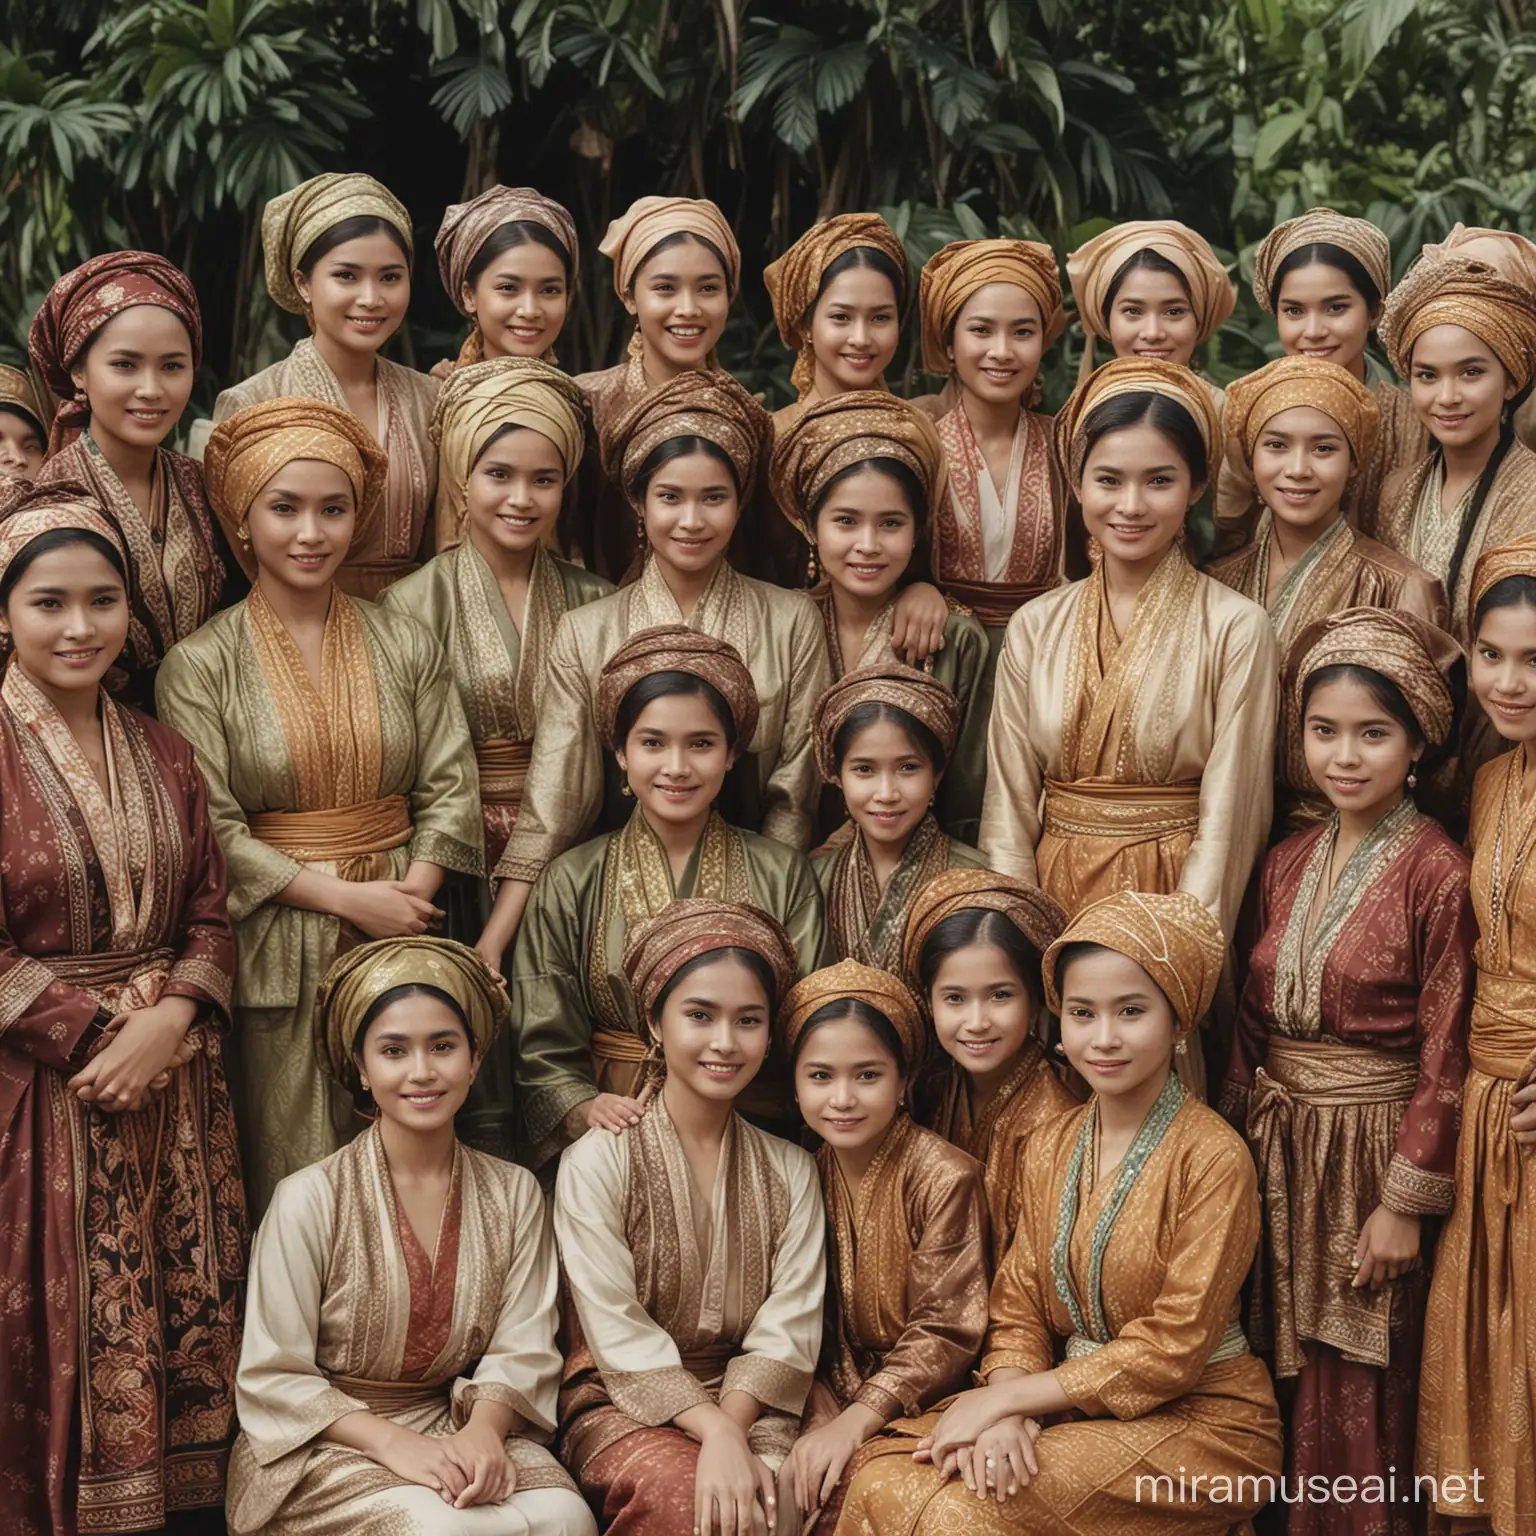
{"x":1274,"y":135}
{"x":1368,"y":26}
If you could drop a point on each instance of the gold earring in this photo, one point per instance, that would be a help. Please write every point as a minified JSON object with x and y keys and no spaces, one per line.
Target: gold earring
{"x":1059,"y":1048}
{"x":243,"y":533}
{"x":1182,"y":1048}
{"x":813,"y":570}
{"x":1413,"y":775}
{"x":626,"y":791}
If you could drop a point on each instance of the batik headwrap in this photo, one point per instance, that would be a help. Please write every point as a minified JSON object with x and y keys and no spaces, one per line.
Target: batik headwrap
{"x":1512,"y":256}
{"x":834,"y":434}
{"x":1127,"y":376}
{"x":851,"y":980}
{"x":467,"y":226}
{"x":1453,"y":290}
{"x":81,"y":302}
{"x":1036,"y":915}
{"x":293,"y":221}
{"x":1407,"y":650}
{"x":1517,"y":558}
{"x":795,"y":278}
{"x":649,"y":220}
{"x":963,"y":267}
{"x":676,"y":648}
{"x":16,"y":390}
{"x":923,"y":697}
{"x":363,"y":975}
{"x":662,"y":945}
{"x":1254,"y":400}
{"x":702,"y":402}
{"x":245,"y":450}
{"x":1174,"y":939}
{"x":28,"y":511}
{"x":1092,"y":269}
{"x":1321,"y":226}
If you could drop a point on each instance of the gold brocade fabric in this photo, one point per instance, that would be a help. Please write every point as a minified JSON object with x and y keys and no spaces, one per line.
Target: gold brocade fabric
{"x":1321,"y":226}
{"x":1257,"y":398}
{"x":294,"y":220}
{"x":959,"y":270}
{"x":866,"y":923}
{"x":1453,"y":290}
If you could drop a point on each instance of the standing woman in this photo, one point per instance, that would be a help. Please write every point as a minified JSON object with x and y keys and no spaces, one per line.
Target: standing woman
{"x":972,"y":951}
{"x":694,"y":1250}
{"x":674,"y":706}
{"x":1477,"y":1403}
{"x":23,"y":437}
{"x":338,"y":252}
{"x":120,"y":1194}
{"x":118,"y":342}
{"x":1351,"y":1047}
{"x":906,"y":1231}
{"x":341,"y":777}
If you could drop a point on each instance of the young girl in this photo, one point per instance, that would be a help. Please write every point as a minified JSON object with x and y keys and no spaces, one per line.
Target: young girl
{"x":883,"y":737}
{"x":338,"y":252}
{"x":906,"y":1230}
{"x":1117,"y":1304}
{"x":1350,"y":1052}
{"x":674,"y":706}
{"x":23,"y":437}
{"x":399,"y":1365}
{"x":972,"y":952}
{"x":694,"y":1249}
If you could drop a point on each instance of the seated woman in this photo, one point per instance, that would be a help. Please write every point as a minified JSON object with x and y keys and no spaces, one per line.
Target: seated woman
{"x":1117,"y":1305}
{"x":694,"y":1249}
{"x":23,"y":435}
{"x":674,"y":706}
{"x":341,"y":777}
{"x":399,"y":1370}
{"x":972,"y":952}
{"x":906,"y":1230}
{"x":884,"y":736}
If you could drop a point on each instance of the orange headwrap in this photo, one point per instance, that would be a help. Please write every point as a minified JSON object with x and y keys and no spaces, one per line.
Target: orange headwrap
{"x":963,"y":267}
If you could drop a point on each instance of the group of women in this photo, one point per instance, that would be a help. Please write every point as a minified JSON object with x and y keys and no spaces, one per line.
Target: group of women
{"x":484,"y":826}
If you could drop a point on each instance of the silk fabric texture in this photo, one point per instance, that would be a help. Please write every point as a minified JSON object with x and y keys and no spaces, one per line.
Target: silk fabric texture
{"x":294,"y":220}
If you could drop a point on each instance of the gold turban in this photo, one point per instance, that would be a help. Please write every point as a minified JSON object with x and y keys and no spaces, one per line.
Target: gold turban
{"x":467,"y":226}
{"x":649,"y":220}
{"x":923,"y":697}
{"x":293,"y":221}
{"x":245,"y":450}
{"x":1321,"y":226}
{"x":361,"y":976}
{"x":676,"y":648}
{"x":795,"y":278}
{"x":847,"y":429}
{"x":683,"y":930}
{"x":1174,"y":939}
{"x":848,"y":979}
{"x":1126,"y":376}
{"x":1027,"y":907}
{"x":27,"y":511}
{"x":1258,"y":397}
{"x":1453,"y":290}
{"x":1517,"y":558}
{"x":477,"y":401}
{"x":16,"y":390}
{"x":1092,"y":269}
{"x":963,"y":267}
{"x":1512,"y":256}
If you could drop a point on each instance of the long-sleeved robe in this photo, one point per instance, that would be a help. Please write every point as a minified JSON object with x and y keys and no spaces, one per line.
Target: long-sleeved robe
{"x":1153,"y":1358}
{"x":380,"y":757}
{"x":1477,"y":1403}
{"x":349,"y":1311}
{"x":779,"y":635}
{"x":1347,"y":1070}
{"x":574,"y":1030}
{"x":124,"y":1233}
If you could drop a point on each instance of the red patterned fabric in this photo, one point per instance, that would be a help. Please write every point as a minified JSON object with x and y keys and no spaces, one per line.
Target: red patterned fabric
{"x":643,"y":1484}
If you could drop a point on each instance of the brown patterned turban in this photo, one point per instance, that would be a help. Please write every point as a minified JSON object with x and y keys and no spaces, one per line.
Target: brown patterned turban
{"x":964,"y":267}
{"x":16,"y":390}
{"x":848,"y":979}
{"x":1036,"y":915}
{"x":467,"y":226}
{"x":649,"y":220}
{"x":923,"y":697}
{"x":1321,"y":226}
{"x":294,"y":220}
{"x":1516,"y":558}
{"x":1453,"y":290}
{"x":1258,"y":397}
{"x":676,"y":648}
{"x":28,"y":511}
{"x":1092,"y":269}
{"x":1512,"y":256}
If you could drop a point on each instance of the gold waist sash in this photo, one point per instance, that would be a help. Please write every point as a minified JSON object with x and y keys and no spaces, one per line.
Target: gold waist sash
{"x":1229,"y":1346}
{"x":1324,"y":1073}
{"x":1502,"y":1040}
{"x":617,"y":1045}
{"x":118,"y":980}
{"x":340,"y":833}
{"x":503,"y":769}
{"x":995,"y":602}
{"x":392,"y":1397}
{"x":1142,"y":812}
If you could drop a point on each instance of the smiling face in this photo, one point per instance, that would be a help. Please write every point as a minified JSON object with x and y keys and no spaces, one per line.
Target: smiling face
{"x":847,"y":1083}
{"x":982,"y":1012}
{"x":137,"y":377}
{"x":681,"y":301}
{"x":887,"y":782}
{"x":714,"y":1030}
{"x":676,"y":759}
{"x":1503,"y":670}
{"x":23,"y":443}
{"x":1301,"y":465}
{"x":1458,"y":387}
{"x":1320,"y":314}
{"x":417,"y":1062}
{"x":855,"y":327}
{"x":1358,"y":753}
{"x":1151,"y":316}
{"x":67,"y":616}
{"x":514,"y":491}
{"x":358,"y":292}
{"x":997,"y":344}
{"x":301,"y":525}
{"x":1136,"y":491}
{"x":866,"y":532}
{"x":691,"y":507}
{"x":519,"y":302}
{"x":1117,"y":1028}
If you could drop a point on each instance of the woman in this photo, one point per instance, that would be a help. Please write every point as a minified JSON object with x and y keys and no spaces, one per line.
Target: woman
{"x":693,"y":1247}
{"x":341,"y":777}
{"x":400,"y":1369}
{"x":338,"y":252}
{"x":1351,"y":1047}
{"x":972,"y":953}
{"x":120,"y":1190}
{"x":906,"y":1231}
{"x":884,"y":736}
{"x":23,"y":437}
{"x":674,"y":706}
{"x":508,"y":260}
{"x":858,"y":475}
{"x":688,"y":456}
{"x":1477,"y":1402}
{"x":118,"y":342}
{"x":1117,"y":1305}
{"x":837,"y":296}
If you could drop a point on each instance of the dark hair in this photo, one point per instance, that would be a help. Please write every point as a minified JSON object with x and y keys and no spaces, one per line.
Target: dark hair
{"x":877,"y":712}
{"x":1144,"y":407}
{"x":1511,"y":592}
{"x":360,"y":1095}
{"x":679,"y":448}
{"x":861,"y":1013}
{"x":1469,"y":518}
{"x":507,"y":237}
{"x":1390,"y":697}
{"x":1145,"y":260}
{"x":359,"y":227}
{"x":1082,"y":949}
{"x":869,"y":256}
{"x":667,"y":685}
{"x":670,"y":243}
{"x":749,"y":958}
{"x":46,"y":543}
{"x":979,"y":925}
{"x":506,"y":429}
{"x":917,"y":503}
{"x":10,"y":408}
{"x":1325,"y":253}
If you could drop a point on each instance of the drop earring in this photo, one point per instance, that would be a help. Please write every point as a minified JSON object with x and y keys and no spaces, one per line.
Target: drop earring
{"x":813,"y":569}
{"x":1413,"y":776}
